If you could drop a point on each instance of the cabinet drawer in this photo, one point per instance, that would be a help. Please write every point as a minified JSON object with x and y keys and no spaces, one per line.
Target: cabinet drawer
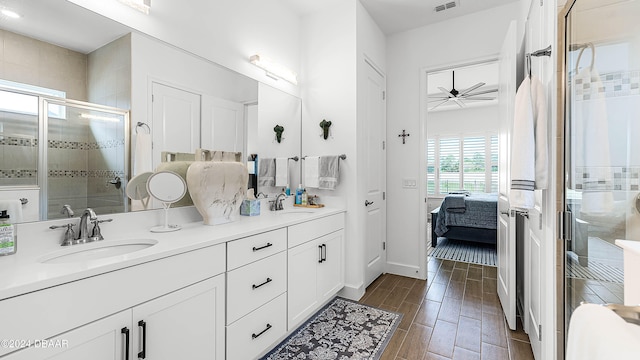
{"x":253,"y":285}
{"x":256,"y":332}
{"x":244,"y":251}
{"x":301,"y":233}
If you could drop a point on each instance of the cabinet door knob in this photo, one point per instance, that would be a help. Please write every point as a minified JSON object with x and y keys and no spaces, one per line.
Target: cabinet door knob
{"x":143,"y":354}
{"x":125,"y":331}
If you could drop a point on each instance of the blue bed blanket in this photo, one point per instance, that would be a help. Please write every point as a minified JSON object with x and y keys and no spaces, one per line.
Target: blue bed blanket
{"x":480,"y":211}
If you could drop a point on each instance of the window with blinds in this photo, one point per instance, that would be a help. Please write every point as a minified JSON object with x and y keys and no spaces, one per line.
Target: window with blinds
{"x":462,"y":163}
{"x":449,"y":156}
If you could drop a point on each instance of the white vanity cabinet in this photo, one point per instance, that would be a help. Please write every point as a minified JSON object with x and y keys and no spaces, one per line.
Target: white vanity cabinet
{"x":181,"y":300}
{"x":256,"y":293}
{"x":316,"y":265}
{"x":185,"y":324}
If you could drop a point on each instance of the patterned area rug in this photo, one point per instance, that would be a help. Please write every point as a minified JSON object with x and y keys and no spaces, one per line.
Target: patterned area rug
{"x":465,"y":251}
{"x":341,"y":330}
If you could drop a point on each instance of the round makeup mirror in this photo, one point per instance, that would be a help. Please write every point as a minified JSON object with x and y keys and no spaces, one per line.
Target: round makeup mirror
{"x":168,"y":187}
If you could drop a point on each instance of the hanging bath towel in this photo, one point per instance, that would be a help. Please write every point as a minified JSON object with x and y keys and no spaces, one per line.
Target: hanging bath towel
{"x":529,"y":144}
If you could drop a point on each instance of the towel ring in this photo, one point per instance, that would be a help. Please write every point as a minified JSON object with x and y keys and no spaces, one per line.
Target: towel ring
{"x":593,"y":56}
{"x":143,"y":125}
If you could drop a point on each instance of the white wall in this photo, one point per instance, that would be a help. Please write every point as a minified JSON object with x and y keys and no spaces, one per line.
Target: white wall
{"x":408,"y":55}
{"x":224,"y":31}
{"x":329,"y":76}
{"x":480,"y":119}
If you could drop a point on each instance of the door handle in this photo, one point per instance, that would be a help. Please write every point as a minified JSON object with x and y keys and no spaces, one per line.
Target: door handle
{"x":125,"y":331}
{"x":504,"y":213}
{"x":143,"y":354}
{"x":367,"y":203}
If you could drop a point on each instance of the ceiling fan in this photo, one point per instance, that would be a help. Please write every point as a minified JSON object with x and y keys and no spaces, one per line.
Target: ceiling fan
{"x":459,"y":96}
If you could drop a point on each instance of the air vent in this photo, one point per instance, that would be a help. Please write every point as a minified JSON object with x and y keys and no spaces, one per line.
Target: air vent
{"x":446,"y":6}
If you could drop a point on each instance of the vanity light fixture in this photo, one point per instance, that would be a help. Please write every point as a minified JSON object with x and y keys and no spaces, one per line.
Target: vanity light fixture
{"x":141,"y":5}
{"x":10,"y":14}
{"x":273,"y":69}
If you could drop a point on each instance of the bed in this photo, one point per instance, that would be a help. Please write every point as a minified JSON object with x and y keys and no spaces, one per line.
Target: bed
{"x":468,"y":217}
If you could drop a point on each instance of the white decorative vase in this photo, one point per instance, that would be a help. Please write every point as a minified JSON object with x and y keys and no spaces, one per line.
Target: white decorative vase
{"x":217,"y":189}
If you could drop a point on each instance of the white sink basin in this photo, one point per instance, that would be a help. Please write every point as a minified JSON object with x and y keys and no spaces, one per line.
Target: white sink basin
{"x":96,"y":250}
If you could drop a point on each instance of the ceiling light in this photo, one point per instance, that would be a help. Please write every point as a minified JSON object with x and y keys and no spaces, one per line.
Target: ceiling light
{"x":141,"y":5}
{"x":273,"y":69}
{"x":10,"y":14}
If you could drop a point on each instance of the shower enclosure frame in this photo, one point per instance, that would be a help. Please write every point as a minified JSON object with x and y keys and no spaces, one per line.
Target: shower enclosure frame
{"x":43,"y":137}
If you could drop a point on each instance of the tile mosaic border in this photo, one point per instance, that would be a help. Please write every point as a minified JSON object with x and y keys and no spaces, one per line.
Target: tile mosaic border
{"x":18,"y":174}
{"x":18,"y":141}
{"x":79,"y":145}
{"x":614,"y":84}
{"x":85,"y":173}
{"x":607,"y":178}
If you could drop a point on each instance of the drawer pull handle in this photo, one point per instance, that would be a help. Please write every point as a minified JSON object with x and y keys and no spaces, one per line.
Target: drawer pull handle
{"x":125,"y":331}
{"x":143,"y":354}
{"x":320,"y":254}
{"x":262,"y":247}
{"x":255,"y":336}
{"x":254,"y":286}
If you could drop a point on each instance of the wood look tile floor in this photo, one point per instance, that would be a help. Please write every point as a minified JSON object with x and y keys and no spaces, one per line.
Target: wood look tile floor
{"x":455,"y":314}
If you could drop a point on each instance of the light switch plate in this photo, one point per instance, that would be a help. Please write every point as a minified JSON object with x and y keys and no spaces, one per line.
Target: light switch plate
{"x":409,"y":183}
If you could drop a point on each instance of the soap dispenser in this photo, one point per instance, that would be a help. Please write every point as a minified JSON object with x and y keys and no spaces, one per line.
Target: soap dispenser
{"x":8,"y":235}
{"x":299,"y":195}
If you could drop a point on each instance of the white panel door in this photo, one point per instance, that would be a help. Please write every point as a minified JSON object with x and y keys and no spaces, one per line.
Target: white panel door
{"x":506,"y":244}
{"x":185,"y":324}
{"x":104,"y":339}
{"x":223,"y":124}
{"x":331,"y":268}
{"x":302,"y":282}
{"x":533,"y":275}
{"x":175,"y":121}
{"x":375,"y":161}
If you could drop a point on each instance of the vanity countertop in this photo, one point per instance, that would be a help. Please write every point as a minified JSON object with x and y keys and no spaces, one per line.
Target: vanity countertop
{"x":23,"y":272}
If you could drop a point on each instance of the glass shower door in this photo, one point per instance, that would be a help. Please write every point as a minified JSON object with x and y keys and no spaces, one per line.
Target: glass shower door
{"x":602,"y":151}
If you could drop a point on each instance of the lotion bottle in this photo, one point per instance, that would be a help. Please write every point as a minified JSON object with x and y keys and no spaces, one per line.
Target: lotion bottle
{"x":8,"y":235}
{"x":299,"y":195}
{"x":305,"y":198}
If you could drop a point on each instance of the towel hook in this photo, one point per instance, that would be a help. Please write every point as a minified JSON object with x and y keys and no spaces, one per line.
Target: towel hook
{"x":143,"y":125}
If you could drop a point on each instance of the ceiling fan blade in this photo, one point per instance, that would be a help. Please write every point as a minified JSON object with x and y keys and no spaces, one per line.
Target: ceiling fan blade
{"x":481,"y":92}
{"x":438,"y":99}
{"x":435,"y":106}
{"x":460,"y":103}
{"x":479,"y":98}
{"x":472,"y":88}
{"x":449,"y":94}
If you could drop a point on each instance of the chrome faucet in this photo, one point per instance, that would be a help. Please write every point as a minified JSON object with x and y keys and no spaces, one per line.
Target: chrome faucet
{"x":66,"y":209}
{"x":83,"y":229}
{"x":278,"y":203}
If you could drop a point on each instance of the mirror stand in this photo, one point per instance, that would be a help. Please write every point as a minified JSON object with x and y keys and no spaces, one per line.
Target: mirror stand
{"x":168,"y":187}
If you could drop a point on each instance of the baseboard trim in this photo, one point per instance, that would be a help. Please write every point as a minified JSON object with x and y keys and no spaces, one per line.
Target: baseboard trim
{"x":352,"y":292}
{"x":404,"y":270}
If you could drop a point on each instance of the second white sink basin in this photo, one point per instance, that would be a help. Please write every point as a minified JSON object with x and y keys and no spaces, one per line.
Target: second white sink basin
{"x":294,"y":211}
{"x":96,"y":250}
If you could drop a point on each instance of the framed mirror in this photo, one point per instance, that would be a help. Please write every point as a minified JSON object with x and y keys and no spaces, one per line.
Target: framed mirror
{"x":121,"y":74}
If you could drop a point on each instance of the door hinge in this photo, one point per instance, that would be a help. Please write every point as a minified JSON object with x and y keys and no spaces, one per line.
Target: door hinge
{"x":384,"y":245}
{"x":540,"y":221}
{"x":539,"y":332}
{"x":383,"y":145}
{"x":384,"y":95}
{"x":564,"y":225}
{"x":384,"y":195}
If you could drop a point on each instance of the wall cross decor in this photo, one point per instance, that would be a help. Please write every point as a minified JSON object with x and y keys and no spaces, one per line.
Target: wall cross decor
{"x":403,"y":136}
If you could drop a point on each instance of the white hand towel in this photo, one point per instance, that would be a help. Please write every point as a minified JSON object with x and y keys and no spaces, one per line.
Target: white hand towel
{"x":597,"y":333}
{"x":14,"y":209}
{"x":592,"y":144}
{"x":282,"y":171}
{"x":529,"y":144}
{"x":266,"y":172}
{"x":311,"y":171}
{"x":329,"y":172}
{"x":142,"y":161}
